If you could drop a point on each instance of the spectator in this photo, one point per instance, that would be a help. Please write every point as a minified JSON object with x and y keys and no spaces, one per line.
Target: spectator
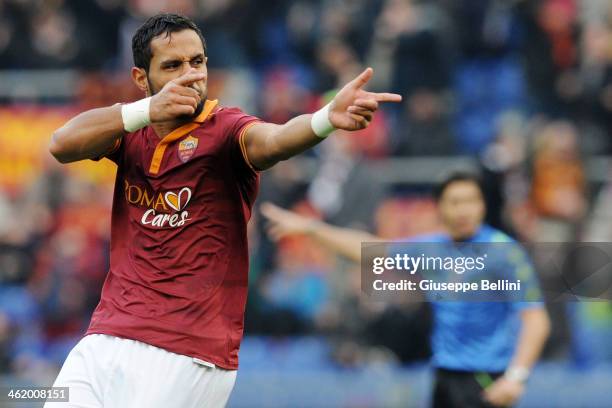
{"x":558,"y":187}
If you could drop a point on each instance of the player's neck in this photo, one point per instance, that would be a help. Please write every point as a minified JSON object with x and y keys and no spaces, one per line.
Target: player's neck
{"x":162,"y":129}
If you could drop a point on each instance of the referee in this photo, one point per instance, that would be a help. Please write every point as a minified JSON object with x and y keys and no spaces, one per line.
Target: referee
{"x":483,"y":352}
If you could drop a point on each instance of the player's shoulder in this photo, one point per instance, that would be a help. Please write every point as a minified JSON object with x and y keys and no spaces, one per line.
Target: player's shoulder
{"x":436,"y":237}
{"x":491,"y":234}
{"x":228,"y":112}
{"x":230,"y":116}
{"x":509,"y":248}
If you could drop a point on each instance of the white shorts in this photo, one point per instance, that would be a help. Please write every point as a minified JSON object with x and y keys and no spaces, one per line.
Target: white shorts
{"x":110,"y":372}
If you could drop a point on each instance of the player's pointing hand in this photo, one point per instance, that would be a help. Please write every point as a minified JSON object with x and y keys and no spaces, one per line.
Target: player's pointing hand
{"x":353,"y":108}
{"x":177,"y":98}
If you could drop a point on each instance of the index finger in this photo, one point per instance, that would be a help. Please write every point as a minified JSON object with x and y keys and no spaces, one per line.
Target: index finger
{"x":189,"y":77}
{"x":269,"y":210}
{"x":387,"y":97}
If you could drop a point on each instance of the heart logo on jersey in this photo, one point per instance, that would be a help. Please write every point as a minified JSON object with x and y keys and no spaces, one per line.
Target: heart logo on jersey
{"x":187,"y":148}
{"x":180,"y":200}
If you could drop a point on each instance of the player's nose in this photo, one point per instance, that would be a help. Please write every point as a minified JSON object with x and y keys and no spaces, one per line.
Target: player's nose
{"x":186,"y":68}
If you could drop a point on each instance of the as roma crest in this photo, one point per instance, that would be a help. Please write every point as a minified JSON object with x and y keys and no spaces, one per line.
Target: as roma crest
{"x":187,"y":148}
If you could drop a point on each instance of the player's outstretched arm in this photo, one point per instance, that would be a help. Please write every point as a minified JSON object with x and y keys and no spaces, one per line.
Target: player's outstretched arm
{"x":351,"y":109}
{"x":94,"y":133}
{"x":344,"y":241}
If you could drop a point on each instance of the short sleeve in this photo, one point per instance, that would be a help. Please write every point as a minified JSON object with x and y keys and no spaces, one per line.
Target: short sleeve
{"x":238,"y":125}
{"x":520,"y":268}
{"x":114,"y":153}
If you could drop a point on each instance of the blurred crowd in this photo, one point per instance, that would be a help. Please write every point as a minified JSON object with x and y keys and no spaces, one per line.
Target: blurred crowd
{"x":524,"y":87}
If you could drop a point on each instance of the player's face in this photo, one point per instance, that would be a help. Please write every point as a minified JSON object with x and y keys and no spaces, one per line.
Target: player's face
{"x":462,"y":209}
{"x":172,"y":56}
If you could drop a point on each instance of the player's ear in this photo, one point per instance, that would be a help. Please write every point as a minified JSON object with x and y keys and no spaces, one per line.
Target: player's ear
{"x":139,"y":76}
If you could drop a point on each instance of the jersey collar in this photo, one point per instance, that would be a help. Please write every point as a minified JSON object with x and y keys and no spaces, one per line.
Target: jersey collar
{"x":177,"y":133}
{"x":209,"y":106}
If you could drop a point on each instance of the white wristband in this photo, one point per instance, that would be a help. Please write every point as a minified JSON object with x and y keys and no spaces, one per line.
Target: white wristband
{"x":517,"y":373}
{"x":321,"y":126}
{"x":136,"y":115}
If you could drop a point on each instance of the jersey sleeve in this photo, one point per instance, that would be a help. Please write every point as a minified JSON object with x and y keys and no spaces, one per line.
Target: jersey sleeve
{"x":520,"y":267}
{"x":238,"y":125}
{"x":114,"y":153}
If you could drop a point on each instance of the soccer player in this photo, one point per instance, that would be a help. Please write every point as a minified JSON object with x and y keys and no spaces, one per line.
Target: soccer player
{"x":168,"y":326}
{"x":482,"y":351}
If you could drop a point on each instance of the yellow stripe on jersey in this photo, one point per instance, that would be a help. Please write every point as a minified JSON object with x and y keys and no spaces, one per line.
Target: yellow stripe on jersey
{"x":241,"y":139}
{"x":160,"y":149}
{"x":115,"y":147}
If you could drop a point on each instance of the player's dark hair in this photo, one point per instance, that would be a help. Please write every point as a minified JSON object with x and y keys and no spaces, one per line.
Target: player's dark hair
{"x":166,"y":23}
{"x":454,"y":177}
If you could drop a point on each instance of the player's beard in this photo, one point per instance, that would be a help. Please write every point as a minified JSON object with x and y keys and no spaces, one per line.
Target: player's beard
{"x":198,"y":110}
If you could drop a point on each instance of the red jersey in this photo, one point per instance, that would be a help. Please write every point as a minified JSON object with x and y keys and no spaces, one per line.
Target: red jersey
{"x":179,"y":256}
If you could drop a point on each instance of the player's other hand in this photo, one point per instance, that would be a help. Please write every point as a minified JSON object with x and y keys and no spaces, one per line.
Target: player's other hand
{"x":353,"y":108}
{"x":283,"y":223}
{"x":503,"y":392}
{"x":176,"y":98}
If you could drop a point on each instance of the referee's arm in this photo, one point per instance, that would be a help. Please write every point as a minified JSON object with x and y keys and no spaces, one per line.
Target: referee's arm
{"x":507,"y":389}
{"x":535,"y":329}
{"x":535,"y":323}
